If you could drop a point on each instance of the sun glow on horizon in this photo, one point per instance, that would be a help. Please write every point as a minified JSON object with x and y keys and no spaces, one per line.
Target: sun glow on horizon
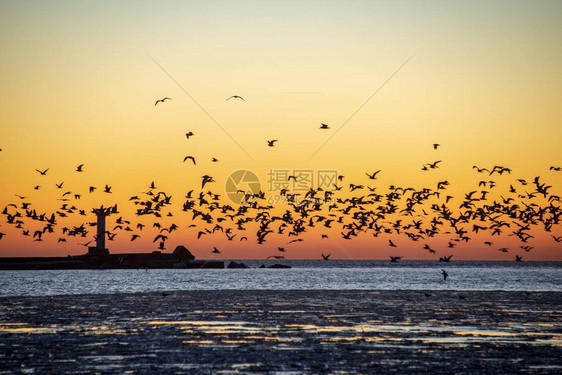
{"x":80,"y":85}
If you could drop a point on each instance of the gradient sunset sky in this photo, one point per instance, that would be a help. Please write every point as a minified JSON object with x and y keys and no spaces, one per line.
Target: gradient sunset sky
{"x":79,"y":82}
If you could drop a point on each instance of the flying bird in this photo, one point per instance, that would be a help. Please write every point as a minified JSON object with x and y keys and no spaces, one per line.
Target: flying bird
{"x":42,"y":173}
{"x":206,"y":179}
{"x":190,"y":158}
{"x":435,"y":145}
{"x":445,"y":274}
{"x":394,"y":259}
{"x":216,"y":251}
{"x":324,"y":126}
{"x":189,"y":134}
{"x":162,"y":100}
{"x":271,"y":143}
{"x":79,"y":168}
{"x":235,"y":97}
{"x":373,"y":176}
{"x":326,"y":257}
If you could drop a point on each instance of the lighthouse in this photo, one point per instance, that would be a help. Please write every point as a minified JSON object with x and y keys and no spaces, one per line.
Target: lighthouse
{"x":101,"y":214}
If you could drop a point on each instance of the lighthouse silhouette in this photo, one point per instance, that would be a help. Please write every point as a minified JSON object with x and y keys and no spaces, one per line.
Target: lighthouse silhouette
{"x":101,"y":214}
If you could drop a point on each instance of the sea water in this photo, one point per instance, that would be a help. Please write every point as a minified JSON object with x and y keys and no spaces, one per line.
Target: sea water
{"x":304,"y":274}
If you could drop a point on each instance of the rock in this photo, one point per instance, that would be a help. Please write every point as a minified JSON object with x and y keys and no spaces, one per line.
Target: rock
{"x":182,"y":253}
{"x":279,"y":266}
{"x":236,"y":265}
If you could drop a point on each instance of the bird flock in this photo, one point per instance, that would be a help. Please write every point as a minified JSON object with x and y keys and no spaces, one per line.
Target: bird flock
{"x":390,"y":216}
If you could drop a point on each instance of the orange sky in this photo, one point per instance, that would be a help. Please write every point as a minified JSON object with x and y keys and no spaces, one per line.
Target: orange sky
{"x":79,"y":86}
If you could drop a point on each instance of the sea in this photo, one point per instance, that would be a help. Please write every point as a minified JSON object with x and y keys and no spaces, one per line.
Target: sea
{"x":303,"y":275}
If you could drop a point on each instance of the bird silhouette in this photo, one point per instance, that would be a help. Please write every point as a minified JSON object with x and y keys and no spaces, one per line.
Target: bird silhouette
{"x":435,"y":145}
{"x":216,"y":251}
{"x":324,"y":126}
{"x":326,"y":257}
{"x":373,"y":176}
{"x":205,"y":180}
{"x":271,"y":143}
{"x":162,"y":100}
{"x":391,"y":244}
{"x":235,"y":97}
{"x":189,"y":134}
{"x":43,"y":173}
{"x":79,"y":168}
{"x":394,"y":259}
{"x":190,"y":158}
{"x":445,"y":274}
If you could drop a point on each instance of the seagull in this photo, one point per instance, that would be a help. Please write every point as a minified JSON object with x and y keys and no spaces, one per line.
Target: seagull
{"x":79,"y":168}
{"x":324,"y":126}
{"x":235,"y":97}
{"x":189,"y":134}
{"x":271,"y":143}
{"x":162,"y":100}
{"x":445,"y":275}
{"x":42,"y":173}
{"x":373,"y":176}
{"x":434,"y":165}
{"x":435,"y":145}
{"x":206,"y":179}
{"x":216,"y":251}
{"x":107,"y":189}
{"x":326,"y":257}
{"x":391,"y":244}
{"x":214,"y":160}
{"x":191,"y":158}
{"x":394,"y":259}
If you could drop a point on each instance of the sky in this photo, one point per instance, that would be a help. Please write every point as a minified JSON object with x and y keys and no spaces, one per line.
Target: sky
{"x":79,"y":82}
